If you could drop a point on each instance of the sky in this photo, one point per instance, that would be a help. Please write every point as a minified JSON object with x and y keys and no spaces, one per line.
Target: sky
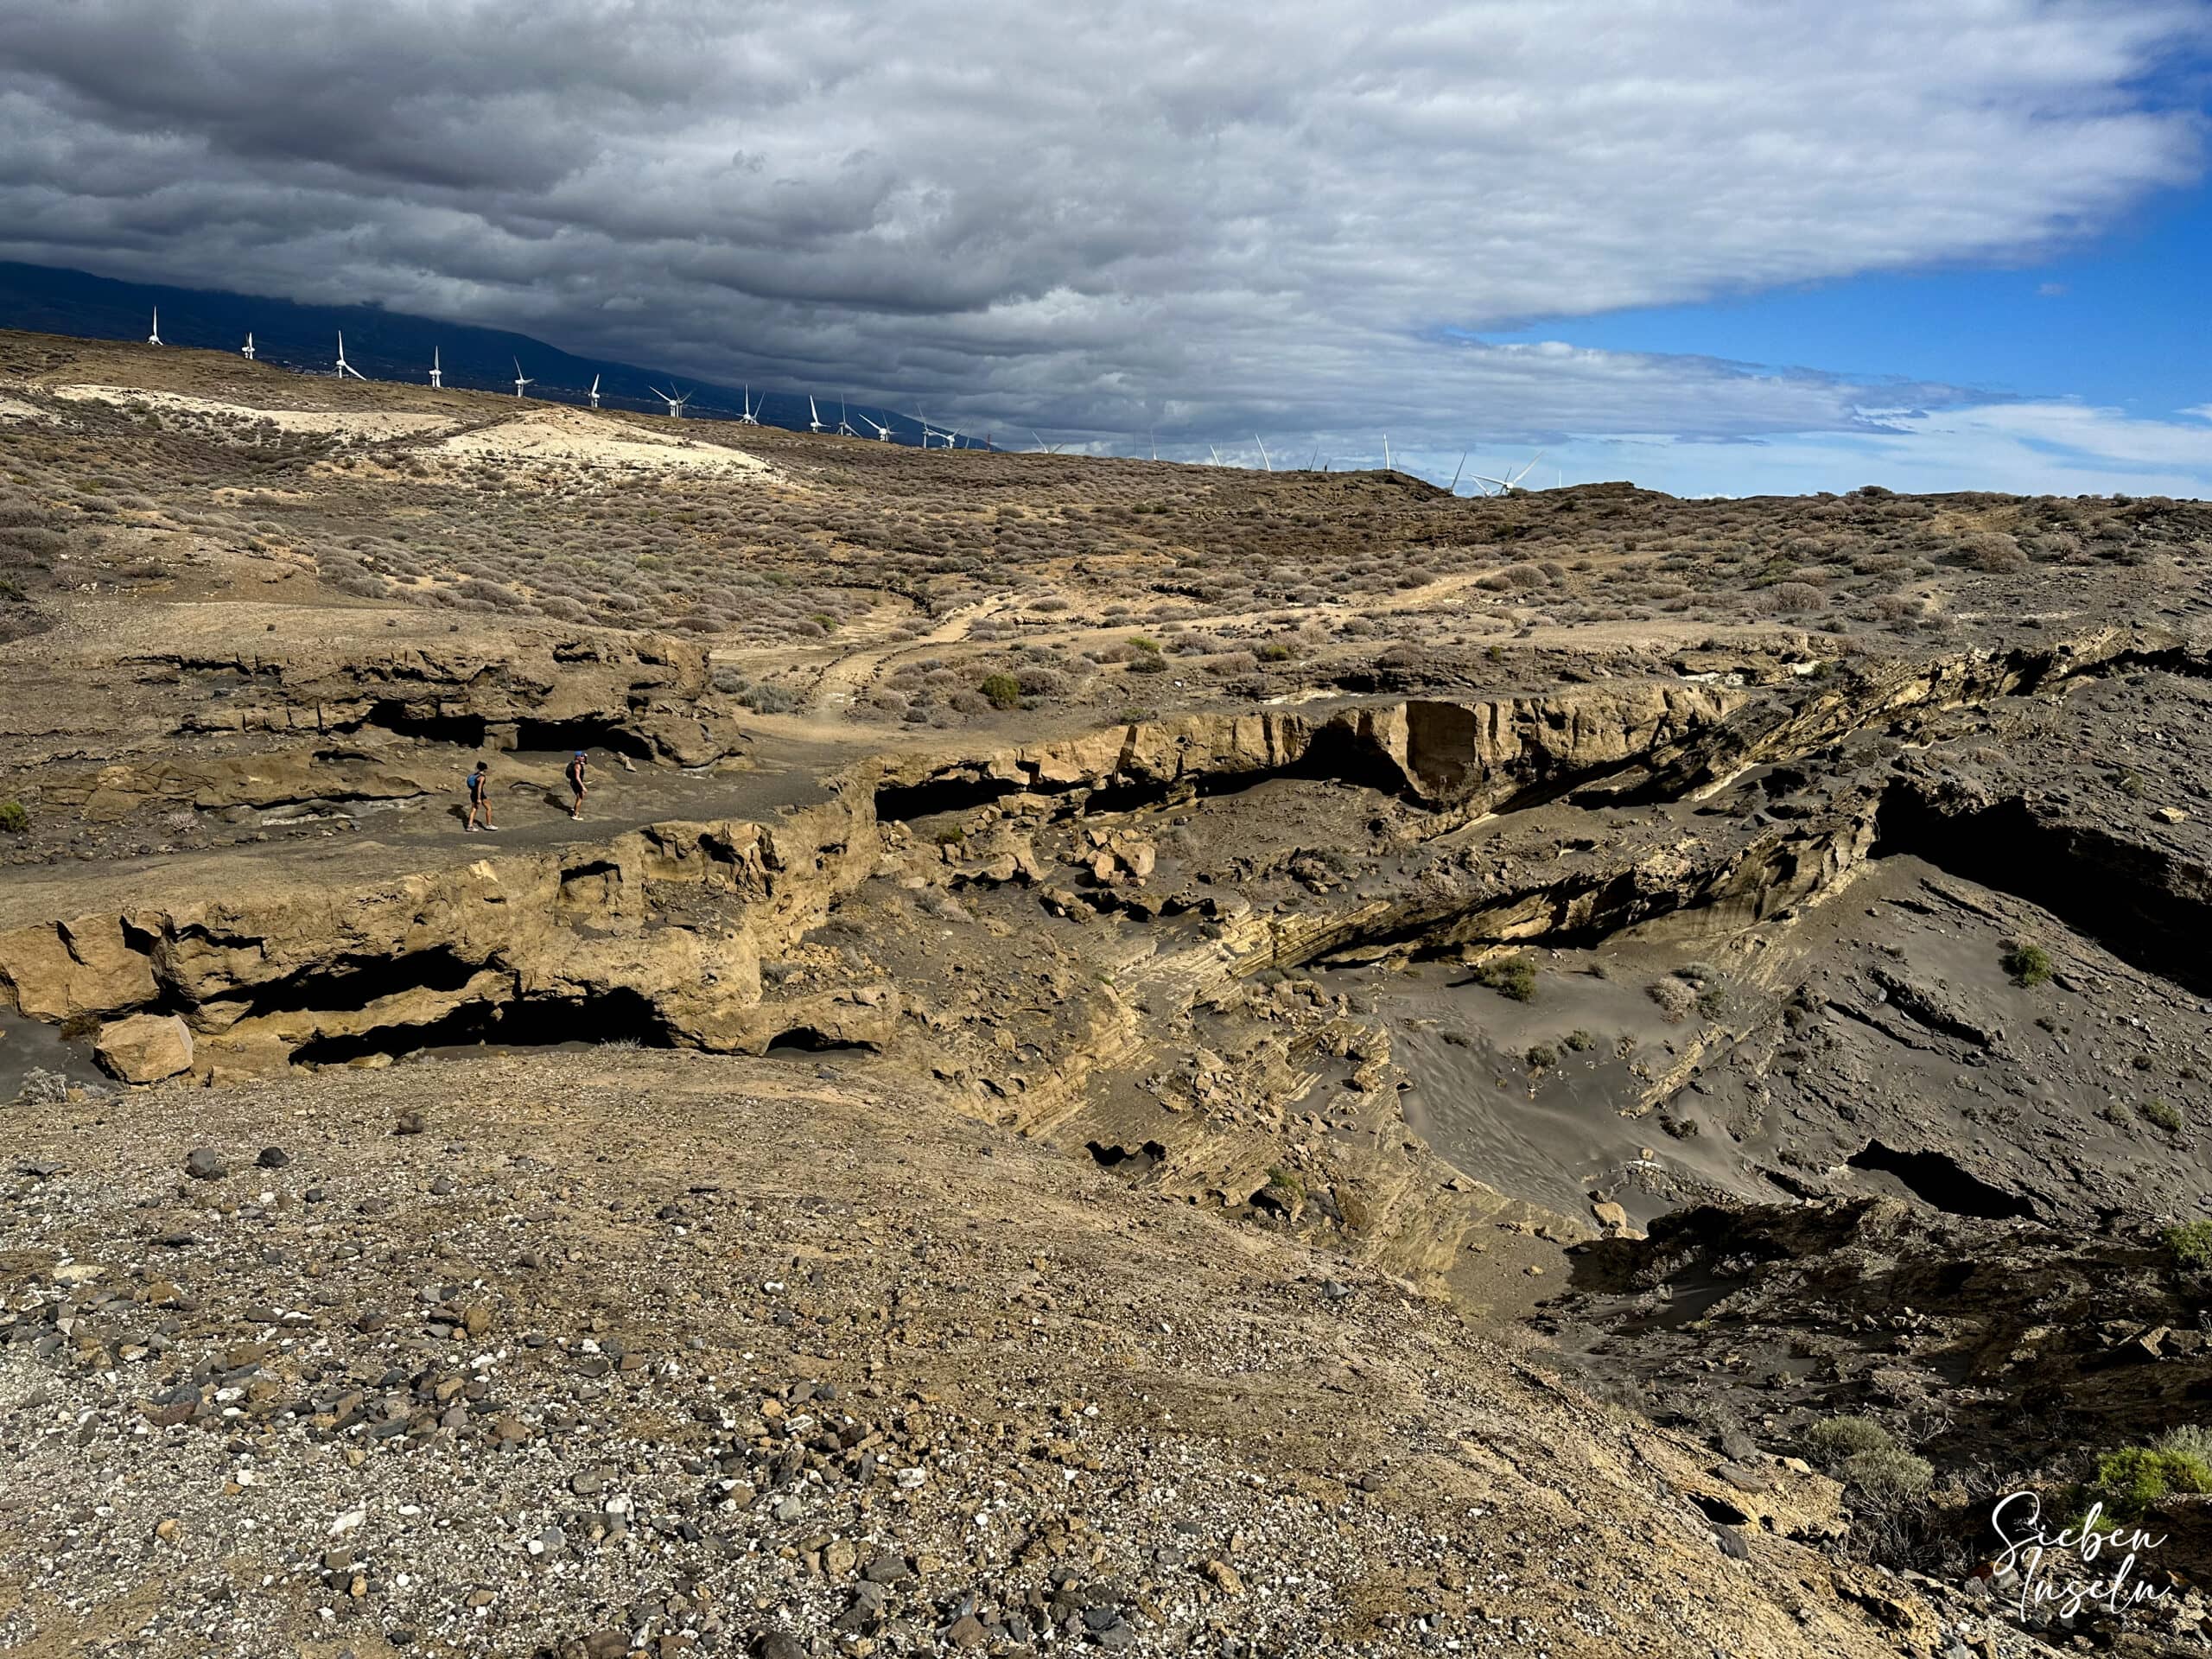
{"x":1715,"y":246}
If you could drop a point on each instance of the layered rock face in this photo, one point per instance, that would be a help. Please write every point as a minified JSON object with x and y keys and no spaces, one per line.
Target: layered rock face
{"x":299,"y":972}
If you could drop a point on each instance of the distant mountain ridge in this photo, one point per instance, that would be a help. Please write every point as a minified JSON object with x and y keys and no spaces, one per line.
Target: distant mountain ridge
{"x":383,"y":345}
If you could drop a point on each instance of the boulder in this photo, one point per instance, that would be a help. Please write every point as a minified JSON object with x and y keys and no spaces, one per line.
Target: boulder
{"x":144,"y":1048}
{"x":55,"y":970}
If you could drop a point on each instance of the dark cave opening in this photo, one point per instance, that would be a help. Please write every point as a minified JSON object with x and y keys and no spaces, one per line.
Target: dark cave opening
{"x":615,"y":1016}
{"x":1130,"y":1160}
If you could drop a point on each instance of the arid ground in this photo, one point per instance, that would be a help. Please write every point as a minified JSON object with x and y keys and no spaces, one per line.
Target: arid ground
{"x":1123,"y":1056}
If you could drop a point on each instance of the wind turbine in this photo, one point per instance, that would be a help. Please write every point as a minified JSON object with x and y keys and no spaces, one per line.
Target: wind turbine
{"x":1456,"y":471}
{"x":844,"y":427}
{"x":154,"y":338}
{"x":1264,"y":462}
{"x":882,"y":432}
{"x":344,"y":367}
{"x":521,"y":380}
{"x":814,"y":414}
{"x":750,"y":415}
{"x":1386,"y":453}
{"x":1509,"y":486}
{"x":246,"y":350}
{"x":675,"y":403}
{"x":594,"y":393}
{"x":1044,"y":447}
{"x":437,"y":372}
{"x":1215,"y":452}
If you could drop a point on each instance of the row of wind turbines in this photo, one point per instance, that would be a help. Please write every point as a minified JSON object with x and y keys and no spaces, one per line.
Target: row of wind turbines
{"x":749,"y":414}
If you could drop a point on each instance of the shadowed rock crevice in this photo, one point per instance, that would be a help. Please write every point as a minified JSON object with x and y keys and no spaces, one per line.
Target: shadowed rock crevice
{"x":1937,"y":1179}
{"x":2143,"y":904}
{"x":614,"y":1016}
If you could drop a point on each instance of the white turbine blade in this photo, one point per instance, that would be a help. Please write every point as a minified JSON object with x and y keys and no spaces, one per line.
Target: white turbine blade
{"x":1456,"y":471}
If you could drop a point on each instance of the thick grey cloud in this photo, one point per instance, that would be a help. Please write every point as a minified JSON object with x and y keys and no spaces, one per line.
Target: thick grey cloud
{"x":1205,"y":220}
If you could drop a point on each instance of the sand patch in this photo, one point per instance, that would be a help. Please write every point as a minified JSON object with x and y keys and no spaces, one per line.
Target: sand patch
{"x":364,"y":423}
{"x":579,"y":438}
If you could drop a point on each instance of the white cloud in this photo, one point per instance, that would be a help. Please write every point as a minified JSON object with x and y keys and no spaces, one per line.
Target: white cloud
{"x":1095,"y":220}
{"x":2052,"y":447}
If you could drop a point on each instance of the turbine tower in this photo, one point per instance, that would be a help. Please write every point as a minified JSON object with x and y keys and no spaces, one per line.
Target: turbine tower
{"x":437,"y":374}
{"x":675,"y":403}
{"x":844,"y":426}
{"x":344,"y":367}
{"x":882,"y":432}
{"x":521,"y":380}
{"x":154,"y":338}
{"x":594,"y":393}
{"x":246,"y":350}
{"x":749,"y":411}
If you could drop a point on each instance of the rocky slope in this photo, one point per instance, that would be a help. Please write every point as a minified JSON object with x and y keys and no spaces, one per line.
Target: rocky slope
{"x":1325,"y":919}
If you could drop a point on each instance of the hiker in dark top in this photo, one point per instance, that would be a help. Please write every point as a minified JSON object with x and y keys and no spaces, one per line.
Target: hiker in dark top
{"x":480,"y":795}
{"x":576,"y":784}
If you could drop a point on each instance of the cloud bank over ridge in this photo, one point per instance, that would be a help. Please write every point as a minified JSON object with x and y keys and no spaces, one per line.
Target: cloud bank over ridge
{"x":1207,"y":221}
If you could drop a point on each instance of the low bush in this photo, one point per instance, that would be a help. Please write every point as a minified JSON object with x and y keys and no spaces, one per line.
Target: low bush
{"x":2029,"y":964}
{"x":1832,"y":1440}
{"x":2129,"y":1481}
{"x":2190,"y":1245}
{"x":1509,"y":976}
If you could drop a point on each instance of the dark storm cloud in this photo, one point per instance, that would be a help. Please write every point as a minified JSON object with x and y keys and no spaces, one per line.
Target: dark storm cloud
{"x":1108,"y":218}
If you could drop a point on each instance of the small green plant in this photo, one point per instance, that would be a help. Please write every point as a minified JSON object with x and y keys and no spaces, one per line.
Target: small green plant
{"x":2029,"y":964}
{"x":2163,"y":1113}
{"x":1144,"y":642}
{"x":824,"y":621}
{"x":951,"y":834}
{"x":1509,"y":976}
{"x":1148,"y":662}
{"x":1135,"y":712}
{"x":1003,"y":690}
{"x":1578,"y":1040}
{"x":1284,"y":1180}
{"x":1890,"y":1476}
{"x":1834,"y":1441}
{"x":2188,"y":1440}
{"x":2190,"y":1245}
{"x":14,"y":818}
{"x":1541,"y":1057}
{"x":2131,"y":1480}
{"x":1276,"y":653}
